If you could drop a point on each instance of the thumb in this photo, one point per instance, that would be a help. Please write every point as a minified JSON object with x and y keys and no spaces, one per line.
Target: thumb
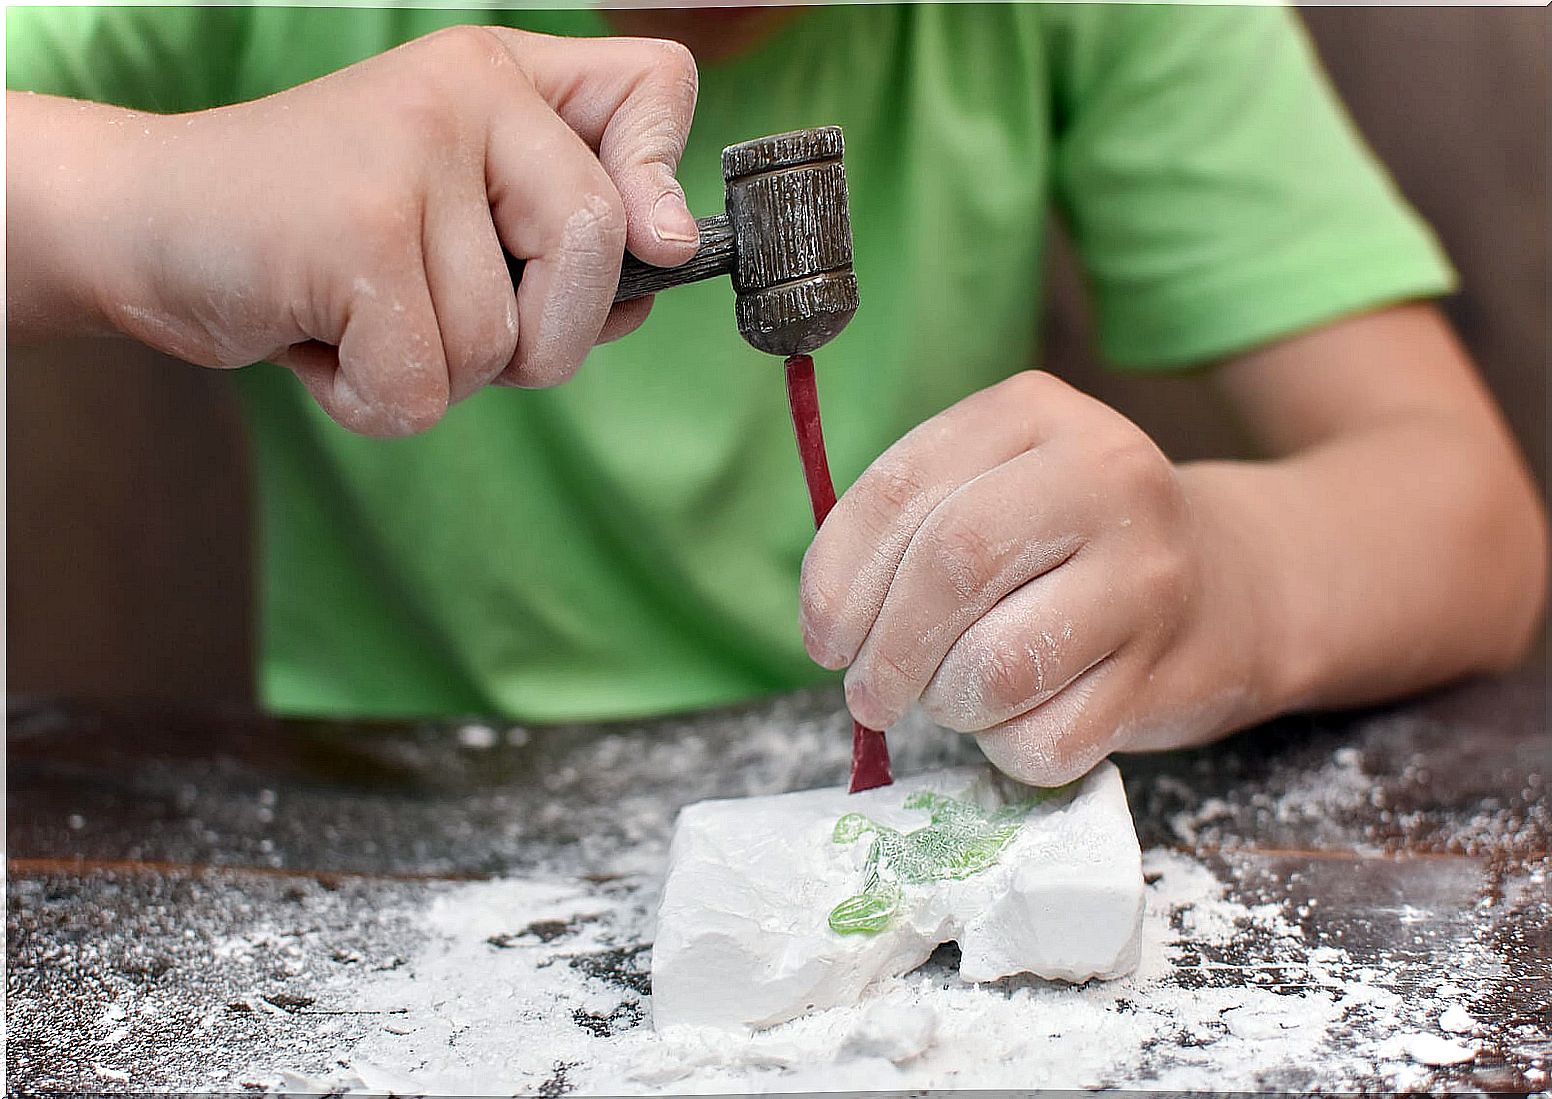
{"x":631,"y":100}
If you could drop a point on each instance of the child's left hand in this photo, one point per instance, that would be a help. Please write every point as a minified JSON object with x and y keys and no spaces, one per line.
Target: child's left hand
{"x":1034,"y":570}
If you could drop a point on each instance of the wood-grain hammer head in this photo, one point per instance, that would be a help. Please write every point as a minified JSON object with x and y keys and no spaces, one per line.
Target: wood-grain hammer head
{"x":792,"y":254}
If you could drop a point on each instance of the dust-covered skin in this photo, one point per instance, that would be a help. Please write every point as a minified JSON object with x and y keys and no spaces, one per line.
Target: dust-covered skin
{"x":1031,"y":568}
{"x":1032,"y":552}
{"x":352,"y":228}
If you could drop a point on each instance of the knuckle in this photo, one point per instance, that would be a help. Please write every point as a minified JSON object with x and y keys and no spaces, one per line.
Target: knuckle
{"x":1033,"y":386}
{"x":415,"y":402}
{"x":899,"y":666}
{"x":1060,"y":765}
{"x":674,"y":62}
{"x":1135,"y":465}
{"x":469,"y":65}
{"x":883,"y":670}
{"x":469,"y":49}
{"x":962,"y":553}
{"x":389,"y":422}
{"x":485,"y":349}
{"x":887,"y":491}
{"x":1165,"y":583}
{"x":415,"y":418}
{"x":1010,"y":673}
{"x":596,"y":224}
{"x":1034,"y":751}
{"x":352,"y":418}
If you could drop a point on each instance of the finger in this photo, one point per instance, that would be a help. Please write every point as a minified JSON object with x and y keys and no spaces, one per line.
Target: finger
{"x":633,"y":103}
{"x":849,"y":566}
{"x":379,"y":369}
{"x":553,"y":206}
{"x":987,"y":538}
{"x":1027,"y":648}
{"x":625,"y":318}
{"x":1063,"y":738}
{"x":471,"y":289}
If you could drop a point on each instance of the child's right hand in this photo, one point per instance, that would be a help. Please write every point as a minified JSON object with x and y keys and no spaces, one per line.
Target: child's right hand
{"x":352,"y":228}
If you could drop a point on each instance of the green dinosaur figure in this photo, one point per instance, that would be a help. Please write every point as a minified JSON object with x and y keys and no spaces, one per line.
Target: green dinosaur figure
{"x":962,"y":839}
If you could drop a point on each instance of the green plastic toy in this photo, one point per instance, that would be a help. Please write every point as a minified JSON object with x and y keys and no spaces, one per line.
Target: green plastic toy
{"x":961,"y":839}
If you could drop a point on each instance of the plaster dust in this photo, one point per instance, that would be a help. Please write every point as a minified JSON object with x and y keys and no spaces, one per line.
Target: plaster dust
{"x":540,"y":987}
{"x":537,"y":984}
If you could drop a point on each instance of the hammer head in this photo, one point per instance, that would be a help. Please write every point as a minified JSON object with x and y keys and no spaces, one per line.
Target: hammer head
{"x":786,"y":206}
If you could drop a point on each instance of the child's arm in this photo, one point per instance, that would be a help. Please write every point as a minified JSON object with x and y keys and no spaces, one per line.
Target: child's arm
{"x":1035,"y":571}
{"x":352,"y":228}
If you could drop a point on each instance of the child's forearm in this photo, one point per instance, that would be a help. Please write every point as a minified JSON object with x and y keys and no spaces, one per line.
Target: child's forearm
{"x":63,"y":188}
{"x":1397,"y":536}
{"x":1389,"y":561}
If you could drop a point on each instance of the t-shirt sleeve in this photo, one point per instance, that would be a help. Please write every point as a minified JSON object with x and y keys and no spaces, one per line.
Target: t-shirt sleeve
{"x":1218,"y":195}
{"x":162,"y":59}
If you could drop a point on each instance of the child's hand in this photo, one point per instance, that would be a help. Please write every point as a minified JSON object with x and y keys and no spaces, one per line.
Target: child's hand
{"x":1032,"y":569}
{"x":352,"y":228}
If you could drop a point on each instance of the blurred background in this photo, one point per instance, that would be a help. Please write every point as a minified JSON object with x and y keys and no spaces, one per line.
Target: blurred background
{"x":129,"y":555}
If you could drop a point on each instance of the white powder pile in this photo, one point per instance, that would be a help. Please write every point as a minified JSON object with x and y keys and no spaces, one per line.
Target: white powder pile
{"x":533,"y":987}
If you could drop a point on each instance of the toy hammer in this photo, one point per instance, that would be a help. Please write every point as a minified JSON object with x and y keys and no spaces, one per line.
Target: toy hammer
{"x":785,"y":240}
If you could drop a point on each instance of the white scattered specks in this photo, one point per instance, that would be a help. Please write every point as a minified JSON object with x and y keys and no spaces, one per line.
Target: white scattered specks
{"x":1457,"y":1020}
{"x":477,"y":736}
{"x":1432,"y":1050}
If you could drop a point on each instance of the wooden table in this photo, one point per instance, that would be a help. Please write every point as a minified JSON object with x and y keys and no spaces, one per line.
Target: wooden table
{"x":137,"y":834}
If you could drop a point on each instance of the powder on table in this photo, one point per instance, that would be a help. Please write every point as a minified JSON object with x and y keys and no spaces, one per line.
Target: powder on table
{"x":869,"y":752}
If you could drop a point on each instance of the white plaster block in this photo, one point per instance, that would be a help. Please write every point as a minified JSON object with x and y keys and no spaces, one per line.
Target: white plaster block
{"x":743,"y":935}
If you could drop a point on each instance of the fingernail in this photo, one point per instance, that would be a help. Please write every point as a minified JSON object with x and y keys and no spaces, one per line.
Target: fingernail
{"x":671,"y":219}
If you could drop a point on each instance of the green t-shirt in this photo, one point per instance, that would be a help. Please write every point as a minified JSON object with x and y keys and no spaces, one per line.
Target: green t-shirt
{"x":629,"y":543}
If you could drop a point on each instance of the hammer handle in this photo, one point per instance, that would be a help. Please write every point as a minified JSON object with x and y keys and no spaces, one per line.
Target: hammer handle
{"x":714,"y":257}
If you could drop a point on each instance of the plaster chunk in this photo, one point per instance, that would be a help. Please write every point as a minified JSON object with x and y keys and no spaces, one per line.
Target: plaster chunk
{"x":776,"y":906}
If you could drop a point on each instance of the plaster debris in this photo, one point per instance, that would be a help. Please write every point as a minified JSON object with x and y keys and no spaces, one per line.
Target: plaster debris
{"x":537,"y":1016}
{"x":1457,"y":1020}
{"x":1048,"y":883}
{"x":539,"y":986}
{"x":1430,"y":1049}
{"x":477,"y":736}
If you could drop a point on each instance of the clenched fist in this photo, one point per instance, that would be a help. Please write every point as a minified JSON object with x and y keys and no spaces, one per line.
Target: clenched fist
{"x":1033,"y":570}
{"x":352,"y":228}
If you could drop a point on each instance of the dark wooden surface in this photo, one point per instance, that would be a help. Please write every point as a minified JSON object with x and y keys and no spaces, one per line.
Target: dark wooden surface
{"x":131,"y":827}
